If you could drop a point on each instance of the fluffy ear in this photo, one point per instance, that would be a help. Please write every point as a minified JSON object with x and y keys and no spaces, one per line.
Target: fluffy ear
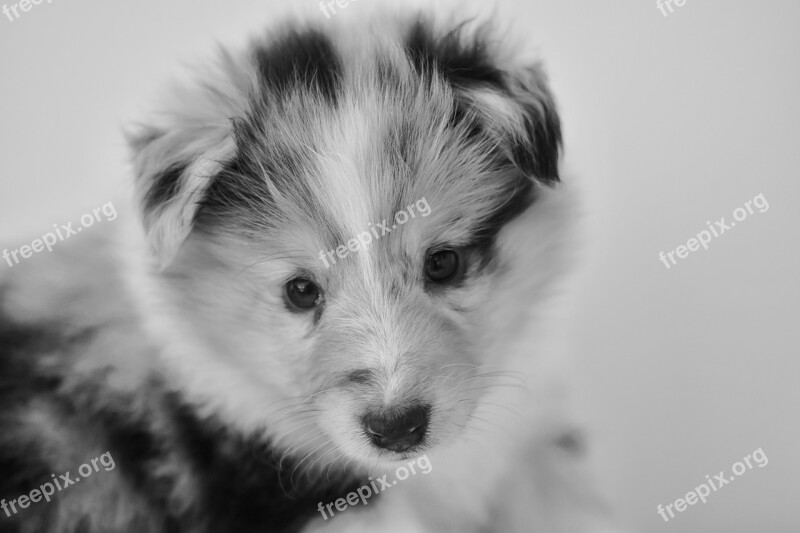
{"x":536,"y":136}
{"x":509,"y":98}
{"x":177,"y":155}
{"x":173,"y":171}
{"x":522,"y":115}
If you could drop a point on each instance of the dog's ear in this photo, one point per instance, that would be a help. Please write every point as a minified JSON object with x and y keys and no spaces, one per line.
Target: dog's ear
{"x":522,"y":115}
{"x":173,"y":169}
{"x":177,"y":155}
{"x":536,"y":137}
{"x":510,"y":99}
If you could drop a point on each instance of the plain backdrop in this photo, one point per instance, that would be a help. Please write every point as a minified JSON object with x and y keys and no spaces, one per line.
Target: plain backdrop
{"x":670,"y":122}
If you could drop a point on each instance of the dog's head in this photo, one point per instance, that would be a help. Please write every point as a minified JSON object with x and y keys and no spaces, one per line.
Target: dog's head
{"x":353,"y":226}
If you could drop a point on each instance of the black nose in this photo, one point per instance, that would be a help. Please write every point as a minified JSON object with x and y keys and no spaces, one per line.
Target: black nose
{"x":398,"y":429}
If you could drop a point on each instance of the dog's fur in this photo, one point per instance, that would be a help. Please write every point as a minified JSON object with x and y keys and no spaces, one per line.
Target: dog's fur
{"x":228,"y":412}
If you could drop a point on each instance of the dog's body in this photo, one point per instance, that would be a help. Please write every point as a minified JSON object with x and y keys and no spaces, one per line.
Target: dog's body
{"x":238,"y":381}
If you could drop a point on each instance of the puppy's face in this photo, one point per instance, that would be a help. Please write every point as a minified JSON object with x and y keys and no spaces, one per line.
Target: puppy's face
{"x":348,"y":246}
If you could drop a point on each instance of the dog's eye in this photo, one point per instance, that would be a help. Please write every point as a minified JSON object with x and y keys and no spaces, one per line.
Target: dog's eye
{"x":444,"y":266}
{"x":302,"y":293}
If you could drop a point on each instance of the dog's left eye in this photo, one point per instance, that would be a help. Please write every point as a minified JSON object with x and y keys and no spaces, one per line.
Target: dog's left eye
{"x":444,"y":266}
{"x":302,"y":293}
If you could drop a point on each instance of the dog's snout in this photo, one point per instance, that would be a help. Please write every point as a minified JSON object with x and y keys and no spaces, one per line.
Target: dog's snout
{"x":397,"y":430}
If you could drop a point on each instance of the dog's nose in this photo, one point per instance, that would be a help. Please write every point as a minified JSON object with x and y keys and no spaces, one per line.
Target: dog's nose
{"x":398,"y":430}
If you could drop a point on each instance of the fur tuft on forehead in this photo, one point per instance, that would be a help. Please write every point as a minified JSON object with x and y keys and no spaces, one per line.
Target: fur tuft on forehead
{"x":314,"y":122}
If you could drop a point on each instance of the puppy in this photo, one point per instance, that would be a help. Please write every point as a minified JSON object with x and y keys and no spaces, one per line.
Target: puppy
{"x":245,"y":364}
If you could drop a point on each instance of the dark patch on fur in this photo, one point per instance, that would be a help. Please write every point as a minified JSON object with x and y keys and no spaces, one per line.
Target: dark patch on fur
{"x":537,"y":155}
{"x":165,"y":187}
{"x":232,"y":191}
{"x":18,"y":379}
{"x":466,"y":64}
{"x":301,"y":59}
{"x":463,"y":65}
{"x":243,"y":488}
{"x":22,"y":468}
{"x":136,"y":449}
{"x":305,"y":58}
{"x":520,"y":195}
{"x":283,"y":160}
{"x":460,"y":63}
{"x":239,"y":199}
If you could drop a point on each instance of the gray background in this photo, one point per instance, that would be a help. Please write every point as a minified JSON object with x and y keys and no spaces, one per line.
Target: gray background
{"x":670,"y":122}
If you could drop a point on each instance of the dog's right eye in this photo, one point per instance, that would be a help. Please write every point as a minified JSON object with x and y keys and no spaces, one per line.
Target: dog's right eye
{"x":302,"y":294}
